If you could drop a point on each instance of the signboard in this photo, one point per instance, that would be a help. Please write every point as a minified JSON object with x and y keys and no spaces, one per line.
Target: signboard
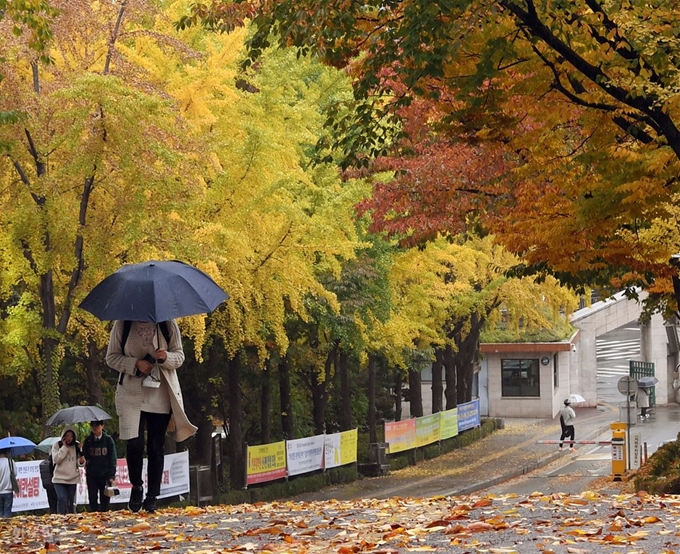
{"x":305,"y":455}
{"x":468,"y":415}
{"x":627,"y":385}
{"x":427,"y":429}
{"x":341,"y":448}
{"x":448,"y":424}
{"x":400,"y":435}
{"x":266,"y":462}
{"x":635,"y":450}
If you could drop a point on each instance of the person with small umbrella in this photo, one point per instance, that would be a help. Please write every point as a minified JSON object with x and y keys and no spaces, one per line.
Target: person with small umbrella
{"x":567,"y":417}
{"x":148,"y":397}
{"x":68,"y":459}
{"x":642,"y":398}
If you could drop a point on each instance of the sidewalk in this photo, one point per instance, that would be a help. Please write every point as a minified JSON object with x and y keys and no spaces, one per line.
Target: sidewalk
{"x":503,"y":455}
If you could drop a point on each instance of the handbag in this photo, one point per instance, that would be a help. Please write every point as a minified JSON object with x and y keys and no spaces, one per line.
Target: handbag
{"x":13,"y":477}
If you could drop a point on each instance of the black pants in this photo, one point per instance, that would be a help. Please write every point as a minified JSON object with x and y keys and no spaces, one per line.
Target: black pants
{"x":99,"y":502}
{"x":567,"y":433}
{"x":51,"y":498}
{"x":156,"y":426}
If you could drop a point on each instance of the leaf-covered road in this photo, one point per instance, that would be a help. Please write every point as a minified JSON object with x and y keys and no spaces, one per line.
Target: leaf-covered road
{"x":559,"y":523}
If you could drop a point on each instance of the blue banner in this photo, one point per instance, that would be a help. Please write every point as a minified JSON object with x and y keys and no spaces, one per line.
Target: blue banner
{"x":468,"y":415}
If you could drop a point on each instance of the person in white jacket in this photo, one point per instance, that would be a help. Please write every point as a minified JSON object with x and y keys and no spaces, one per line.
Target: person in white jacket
{"x":149,"y":396}
{"x":68,"y":459}
{"x":567,"y":417}
{"x":7,"y":469}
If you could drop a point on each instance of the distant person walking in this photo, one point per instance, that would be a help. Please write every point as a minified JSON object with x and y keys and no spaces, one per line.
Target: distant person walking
{"x":643,"y":402}
{"x":567,"y":417}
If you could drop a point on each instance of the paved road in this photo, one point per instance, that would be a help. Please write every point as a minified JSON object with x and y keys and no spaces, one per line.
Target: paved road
{"x":574,"y":473}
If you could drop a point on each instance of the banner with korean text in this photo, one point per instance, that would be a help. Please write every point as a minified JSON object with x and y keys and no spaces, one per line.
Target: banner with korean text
{"x":305,"y":455}
{"x":266,"y":462}
{"x":448,"y":424}
{"x":341,"y":448}
{"x":427,"y":429}
{"x":468,"y":415}
{"x":400,"y":435}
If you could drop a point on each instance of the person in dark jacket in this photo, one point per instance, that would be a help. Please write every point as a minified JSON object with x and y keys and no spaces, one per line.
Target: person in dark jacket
{"x":99,"y":450}
{"x":46,"y":478}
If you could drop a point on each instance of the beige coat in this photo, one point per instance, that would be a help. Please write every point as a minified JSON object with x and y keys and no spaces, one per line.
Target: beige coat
{"x":129,"y":393}
{"x":66,"y":461}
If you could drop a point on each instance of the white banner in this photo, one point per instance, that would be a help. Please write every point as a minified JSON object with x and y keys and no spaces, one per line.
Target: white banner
{"x":32,"y":495}
{"x":305,"y":455}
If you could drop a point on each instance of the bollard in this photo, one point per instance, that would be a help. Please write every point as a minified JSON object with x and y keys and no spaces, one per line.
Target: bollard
{"x":619,"y":462}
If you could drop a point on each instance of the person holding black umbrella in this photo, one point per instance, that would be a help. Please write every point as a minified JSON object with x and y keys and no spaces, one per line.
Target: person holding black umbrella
{"x":149,"y":396}
{"x":68,"y":459}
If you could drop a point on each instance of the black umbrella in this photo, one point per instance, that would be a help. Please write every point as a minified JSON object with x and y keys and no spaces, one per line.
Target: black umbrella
{"x":647,"y":381}
{"x":78,"y":414}
{"x":154,"y":291}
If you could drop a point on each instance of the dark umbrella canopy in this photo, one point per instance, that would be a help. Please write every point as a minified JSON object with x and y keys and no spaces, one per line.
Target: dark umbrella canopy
{"x":17,"y":446}
{"x":647,"y":381}
{"x":78,"y":414}
{"x":154,"y":291}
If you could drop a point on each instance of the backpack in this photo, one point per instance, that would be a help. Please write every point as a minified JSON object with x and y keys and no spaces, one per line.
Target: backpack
{"x":127,"y":324}
{"x":47,"y":471}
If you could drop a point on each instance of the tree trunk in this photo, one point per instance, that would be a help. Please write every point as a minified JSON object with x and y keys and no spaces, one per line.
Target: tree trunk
{"x":287,"y":423}
{"x":466,"y":359}
{"x":450,"y":374}
{"x":345,"y":392}
{"x":319,"y":386}
{"x":415,"y":392}
{"x":437,"y":381}
{"x":265,"y":406}
{"x":372,"y":419}
{"x":398,"y":385}
{"x":237,"y":450}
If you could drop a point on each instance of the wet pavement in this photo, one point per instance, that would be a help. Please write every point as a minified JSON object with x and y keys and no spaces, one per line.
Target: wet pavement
{"x":513,"y":459}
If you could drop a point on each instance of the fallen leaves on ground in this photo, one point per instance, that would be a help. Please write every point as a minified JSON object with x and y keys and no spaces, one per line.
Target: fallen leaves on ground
{"x":547,"y":523}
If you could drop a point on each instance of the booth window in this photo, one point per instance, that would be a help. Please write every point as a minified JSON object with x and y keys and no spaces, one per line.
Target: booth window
{"x":520,"y":377}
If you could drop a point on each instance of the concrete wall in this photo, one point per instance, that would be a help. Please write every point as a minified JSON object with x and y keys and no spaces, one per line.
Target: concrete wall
{"x":551,"y":397}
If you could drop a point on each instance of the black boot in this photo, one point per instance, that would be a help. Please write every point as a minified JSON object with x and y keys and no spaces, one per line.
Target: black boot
{"x":150,"y":504}
{"x":135,"y":503}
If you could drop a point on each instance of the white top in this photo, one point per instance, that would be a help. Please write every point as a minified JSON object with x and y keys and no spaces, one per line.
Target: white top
{"x":568,"y":414}
{"x":5,"y":481}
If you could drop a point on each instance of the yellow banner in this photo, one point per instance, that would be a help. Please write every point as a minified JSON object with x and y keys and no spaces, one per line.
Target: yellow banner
{"x":348,"y":446}
{"x":427,"y":429}
{"x":448,"y":424}
{"x":266,"y":462}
